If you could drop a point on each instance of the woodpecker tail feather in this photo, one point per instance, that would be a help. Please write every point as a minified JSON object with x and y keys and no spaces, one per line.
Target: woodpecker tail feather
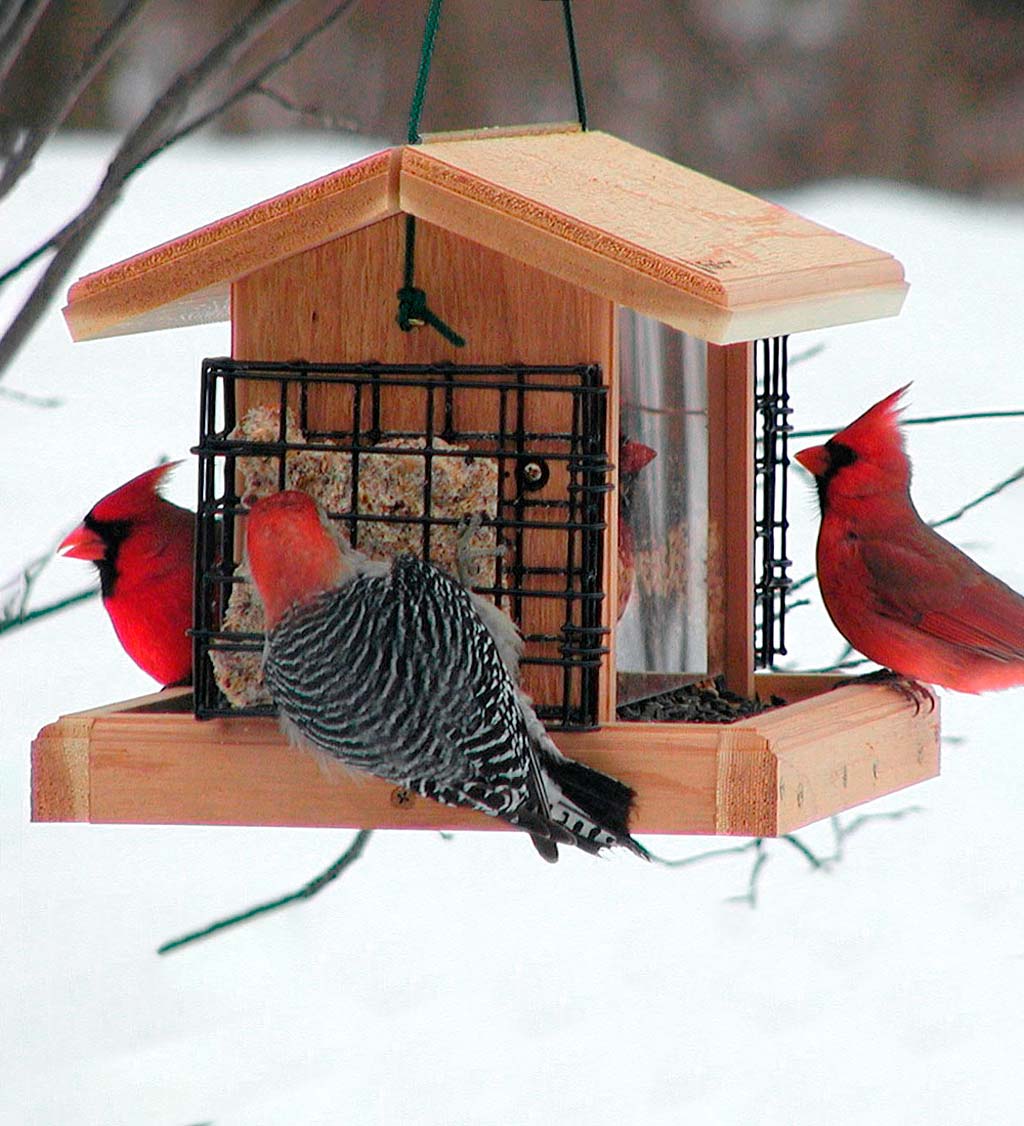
{"x":592,"y":806}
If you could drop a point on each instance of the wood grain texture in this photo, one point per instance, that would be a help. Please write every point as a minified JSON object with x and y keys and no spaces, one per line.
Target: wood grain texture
{"x":763,"y":776}
{"x":585,"y":207}
{"x":337,"y":303}
{"x":730,"y":375}
{"x":185,"y":281}
{"x":652,"y":235}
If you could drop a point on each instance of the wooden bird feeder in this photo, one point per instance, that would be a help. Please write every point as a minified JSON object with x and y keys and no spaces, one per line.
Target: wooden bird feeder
{"x":592,"y":282}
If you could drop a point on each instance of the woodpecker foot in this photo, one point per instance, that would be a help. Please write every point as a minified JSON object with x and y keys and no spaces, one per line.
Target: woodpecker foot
{"x":466,"y":555}
{"x":912,"y":690}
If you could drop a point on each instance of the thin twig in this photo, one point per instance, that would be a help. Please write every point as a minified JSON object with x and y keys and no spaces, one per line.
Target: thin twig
{"x":841,"y":831}
{"x":710,"y":854}
{"x":253,"y":84}
{"x":16,"y":621}
{"x":30,"y":400}
{"x":307,"y":891}
{"x":159,"y":128}
{"x":928,"y":420}
{"x":327,"y":120}
{"x":760,"y":860}
{"x":1014,"y":477}
{"x":56,"y":111}
{"x":758,"y":845}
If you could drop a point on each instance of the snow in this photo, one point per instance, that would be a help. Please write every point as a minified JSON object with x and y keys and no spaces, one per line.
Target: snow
{"x":463,"y":981}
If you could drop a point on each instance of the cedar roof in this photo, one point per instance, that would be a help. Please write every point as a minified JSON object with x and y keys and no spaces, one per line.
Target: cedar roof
{"x":641,"y":230}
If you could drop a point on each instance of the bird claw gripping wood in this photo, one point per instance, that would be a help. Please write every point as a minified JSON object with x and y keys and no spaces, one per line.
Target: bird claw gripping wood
{"x":466,"y":555}
{"x":912,"y":691}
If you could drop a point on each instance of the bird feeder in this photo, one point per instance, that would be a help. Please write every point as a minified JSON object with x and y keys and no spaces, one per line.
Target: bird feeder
{"x":599,"y":291}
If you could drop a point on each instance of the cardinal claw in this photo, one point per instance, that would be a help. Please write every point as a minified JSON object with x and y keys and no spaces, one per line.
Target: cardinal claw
{"x":915,"y":692}
{"x":911,"y":690}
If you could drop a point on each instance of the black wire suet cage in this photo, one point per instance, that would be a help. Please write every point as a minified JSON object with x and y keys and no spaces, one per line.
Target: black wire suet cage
{"x":771,"y":522}
{"x":539,"y":434}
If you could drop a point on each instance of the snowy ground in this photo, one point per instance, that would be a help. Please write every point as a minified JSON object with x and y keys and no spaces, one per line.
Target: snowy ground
{"x":463,"y":981}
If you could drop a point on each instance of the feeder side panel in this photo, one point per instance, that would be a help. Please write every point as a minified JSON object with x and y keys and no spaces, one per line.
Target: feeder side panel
{"x":337,"y":303}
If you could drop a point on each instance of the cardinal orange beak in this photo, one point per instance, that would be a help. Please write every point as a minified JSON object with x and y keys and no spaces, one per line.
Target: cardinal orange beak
{"x":814,"y":459}
{"x":82,"y":543}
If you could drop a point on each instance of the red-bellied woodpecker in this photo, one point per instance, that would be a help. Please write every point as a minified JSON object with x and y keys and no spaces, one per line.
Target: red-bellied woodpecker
{"x":397,"y":669}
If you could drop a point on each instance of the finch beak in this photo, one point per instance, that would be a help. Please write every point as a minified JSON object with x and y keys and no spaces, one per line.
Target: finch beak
{"x":814,"y":459}
{"x":82,"y":543}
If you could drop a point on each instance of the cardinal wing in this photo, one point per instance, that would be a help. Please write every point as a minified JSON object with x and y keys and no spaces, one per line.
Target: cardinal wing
{"x":928,"y":583}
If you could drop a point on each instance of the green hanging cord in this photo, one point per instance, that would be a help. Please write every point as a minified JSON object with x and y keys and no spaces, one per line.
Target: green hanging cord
{"x":574,"y":62}
{"x":426,"y":55}
{"x":412,"y":301}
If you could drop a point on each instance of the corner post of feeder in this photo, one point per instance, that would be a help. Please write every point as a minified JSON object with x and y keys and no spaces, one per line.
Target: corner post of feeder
{"x":607,"y":694}
{"x":730,"y":375}
{"x":60,"y":770}
{"x":746,"y":784}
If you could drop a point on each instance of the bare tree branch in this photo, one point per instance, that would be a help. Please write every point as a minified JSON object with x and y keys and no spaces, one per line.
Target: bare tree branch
{"x":1014,"y":477}
{"x":929,"y":420}
{"x":254,"y":83}
{"x":16,"y":593}
{"x":46,"y":402}
{"x":32,"y":139}
{"x":17,"y":23}
{"x":16,"y":621}
{"x":758,"y":845}
{"x":326,"y":120}
{"x":159,"y":128}
{"x":307,"y":891}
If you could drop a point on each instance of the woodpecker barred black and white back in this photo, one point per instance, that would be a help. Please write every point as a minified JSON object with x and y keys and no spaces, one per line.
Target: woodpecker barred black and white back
{"x":394,"y":672}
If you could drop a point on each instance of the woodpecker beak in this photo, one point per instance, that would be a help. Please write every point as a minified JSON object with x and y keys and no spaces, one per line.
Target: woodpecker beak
{"x":815,"y":459}
{"x":82,"y":543}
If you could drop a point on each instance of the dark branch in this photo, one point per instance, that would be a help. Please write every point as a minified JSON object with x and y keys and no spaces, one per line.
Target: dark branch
{"x":925,"y":421}
{"x":1014,"y":477}
{"x":60,"y":106}
{"x":326,"y":120}
{"x":159,"y":128}
{"x":307,"y":891}
{"x":254,"y":83}
{"x":17,"y":22}
{"x":25,"y":616}
{"x":757,"y":845}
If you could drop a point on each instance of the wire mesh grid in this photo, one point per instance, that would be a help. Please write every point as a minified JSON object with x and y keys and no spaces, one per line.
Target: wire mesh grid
{"x":376,"y":430}
{"x":771,"y":524}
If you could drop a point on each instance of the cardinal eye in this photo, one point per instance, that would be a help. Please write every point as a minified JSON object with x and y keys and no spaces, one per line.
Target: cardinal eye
{"x":840,"y":455}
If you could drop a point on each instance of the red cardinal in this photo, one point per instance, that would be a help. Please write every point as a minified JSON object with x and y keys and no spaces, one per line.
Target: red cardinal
{"x":896,"y":590}
{"x":633,"y":457}
{"x":142,"y":547}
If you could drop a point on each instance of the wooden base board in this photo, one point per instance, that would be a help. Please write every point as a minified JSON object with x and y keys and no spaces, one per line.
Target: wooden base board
{"x":148,"y":761}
